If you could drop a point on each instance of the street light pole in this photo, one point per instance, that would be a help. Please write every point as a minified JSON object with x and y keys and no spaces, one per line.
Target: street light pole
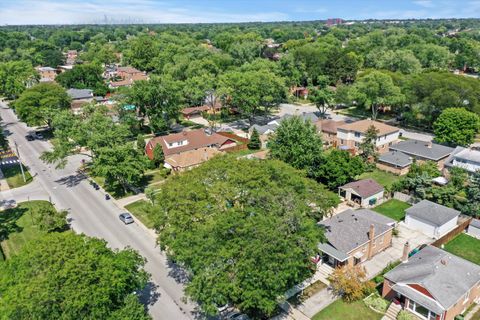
{"x":20,"y":161}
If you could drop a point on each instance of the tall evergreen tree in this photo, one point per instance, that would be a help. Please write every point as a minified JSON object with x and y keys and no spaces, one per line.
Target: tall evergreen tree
{"x":158,"y":156}
{"x":254,"y":143}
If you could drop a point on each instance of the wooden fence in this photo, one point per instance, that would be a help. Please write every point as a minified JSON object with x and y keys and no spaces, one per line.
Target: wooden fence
{"x":465,"y":221}
{"x":242,"y":142}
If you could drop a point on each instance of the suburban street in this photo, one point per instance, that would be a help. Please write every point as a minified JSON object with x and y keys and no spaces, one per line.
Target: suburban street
{"x":91,"y":214}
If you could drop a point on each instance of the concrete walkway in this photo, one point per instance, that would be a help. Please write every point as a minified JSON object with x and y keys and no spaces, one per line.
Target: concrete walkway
{"x":317,"y":302}
{"x":3,"y":182}
{"x":128,"y":200}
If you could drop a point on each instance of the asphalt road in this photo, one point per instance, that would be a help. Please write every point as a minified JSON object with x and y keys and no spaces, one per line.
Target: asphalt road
{"x":94,"y":216}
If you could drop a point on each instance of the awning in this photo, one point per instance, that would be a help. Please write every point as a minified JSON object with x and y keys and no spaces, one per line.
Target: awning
{"x":418,"y":298}
{"x":358,"y":254}
{"x":331,"y":251}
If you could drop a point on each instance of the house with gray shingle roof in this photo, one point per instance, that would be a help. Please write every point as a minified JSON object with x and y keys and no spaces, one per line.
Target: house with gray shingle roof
{"x":365,"y":193}
{"x":395,"y":162}
{"x":466,"y":158}
{"x":433,"y":284}
{"x":354,"y":236}
{"x":431,"y":218}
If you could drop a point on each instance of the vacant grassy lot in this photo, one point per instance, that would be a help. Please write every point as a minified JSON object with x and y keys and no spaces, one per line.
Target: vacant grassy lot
{"x":139,"y":210}
{"x":393,"y":208}
{"x":17,"y":226}
{"x":13,"y":174}
{"x":341,"y":310}
{"x":466,"y":247}
{"x":386,"y":179}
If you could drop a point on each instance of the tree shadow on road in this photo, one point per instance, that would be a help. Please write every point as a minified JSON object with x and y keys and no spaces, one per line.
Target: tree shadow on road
{"x":149,"y":295}
{"x":71,"y":180}
{"x":177,"y":272}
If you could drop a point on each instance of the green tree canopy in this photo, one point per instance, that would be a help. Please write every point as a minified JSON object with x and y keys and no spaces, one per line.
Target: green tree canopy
{"x":244,"y":229}
{"x":254,"y":143}
{"x":296,"y":142}
{"x":84,"y":76}
{"x":456,"y":126}
{"x":15,"y":76}
{"x":40,"y":103}
{"x":69,"y":276}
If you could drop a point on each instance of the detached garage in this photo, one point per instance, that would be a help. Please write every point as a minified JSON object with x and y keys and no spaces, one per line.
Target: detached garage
{"x":430,"y":218}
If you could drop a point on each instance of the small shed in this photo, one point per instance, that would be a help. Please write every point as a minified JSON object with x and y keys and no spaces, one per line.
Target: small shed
{"x":366,"y":192}
{"x":430,"y":218}
{"x":474,"y":228}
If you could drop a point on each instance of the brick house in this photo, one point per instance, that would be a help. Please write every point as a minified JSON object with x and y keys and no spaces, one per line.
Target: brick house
{"x":47,"y":74}
{"x":354,"y":237}
{"x":351,"y":135}
{"x":433,"y":284}
{"x":328,"y":130}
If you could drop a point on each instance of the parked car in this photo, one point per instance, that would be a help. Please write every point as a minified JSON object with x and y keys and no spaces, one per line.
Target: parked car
{"x":30,"y":137}
{"x":95,"y":186}
{"x":126,"y":218}
{"x":39,"y":135}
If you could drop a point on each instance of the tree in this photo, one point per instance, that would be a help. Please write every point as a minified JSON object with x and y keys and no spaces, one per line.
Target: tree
{"x":374,"y":90}
{"x":39,"y":104}
{"x":69,"y":276}
{"x":350,"y":283}
{"x":400,"y":60}
{"x":337,"y":168}
{"x":158,"y":156}
{"x":243,"y":228}
{"x":15,"y":76}
{"x":254,"y":143}
{"x":322,"y":98}
{"x":456,"y":126}
{"x":296,"y":142}
{"x":84,"y":76}
{"x":140,"y":143}
{"x":368,"y":146}
{"x":48,"y":219}
{"x":472,"y":207}
{"x":458,"y":177}
{"x":150,"y":194}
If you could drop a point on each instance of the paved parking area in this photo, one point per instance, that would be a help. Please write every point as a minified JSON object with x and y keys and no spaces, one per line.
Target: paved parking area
{"x":394,"y":253}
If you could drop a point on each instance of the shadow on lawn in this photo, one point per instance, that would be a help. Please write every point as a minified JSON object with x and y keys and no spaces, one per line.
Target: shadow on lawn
{"x":8,"y":222}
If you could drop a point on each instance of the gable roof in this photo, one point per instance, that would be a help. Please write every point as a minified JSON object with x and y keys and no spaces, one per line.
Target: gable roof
{"x":445,"y":276}
{"x":192,"y":157}
{"x":466,"y":158}
{"x":432,"y":212}
{"x":363,"y":125}
{"x":195,"y":139}
{"x":427,"y":150}
{"x":364,"y":188}
{"x":349,"y":229}
{"x":264,"y":129}
{"x":76,"y":94}
{"x":327,"y":125}
{"x":396,"y":158}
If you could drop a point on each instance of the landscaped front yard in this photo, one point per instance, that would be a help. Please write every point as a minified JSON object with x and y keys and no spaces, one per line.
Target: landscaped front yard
{"x":14,"y":177}
{"x":465,"y":246}
{"x":386,"y":179}
{"x":393,"y":208}
{"x":139,"y":210}
{"x":341,"y":310}
{"x":17,"y":226}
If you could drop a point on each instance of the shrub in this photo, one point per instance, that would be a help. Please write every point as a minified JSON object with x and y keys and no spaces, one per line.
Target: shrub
{"x":376,"y":302}
{"x":405,"y":315}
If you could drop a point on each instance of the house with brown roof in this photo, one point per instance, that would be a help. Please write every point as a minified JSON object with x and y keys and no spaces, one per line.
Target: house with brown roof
{"x":184,"y":141}
{"x":47,"y":74}
{"x":351,"y":135}
{"x":196,"y":112}
{"x":328,"y":130}
{"x":127,"y":76}
{"x":365,"y":193}
{"x":190,"y":159}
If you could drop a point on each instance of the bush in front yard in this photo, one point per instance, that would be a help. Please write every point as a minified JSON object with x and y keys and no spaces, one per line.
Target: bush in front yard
{"x":405,"y":315}
{"x":376,"y":302}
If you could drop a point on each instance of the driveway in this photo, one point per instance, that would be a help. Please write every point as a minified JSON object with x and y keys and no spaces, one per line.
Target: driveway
{"x":395,"y":252}
{"x":288,"y":108}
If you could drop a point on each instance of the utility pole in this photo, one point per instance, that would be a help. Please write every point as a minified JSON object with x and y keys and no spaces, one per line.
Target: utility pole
{"x":20,"y":161}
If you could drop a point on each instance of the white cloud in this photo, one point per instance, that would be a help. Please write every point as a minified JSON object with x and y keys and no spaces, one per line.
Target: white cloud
{"x":424,"y":3}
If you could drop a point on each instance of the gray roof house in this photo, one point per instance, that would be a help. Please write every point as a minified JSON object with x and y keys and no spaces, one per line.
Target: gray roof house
{"x":396,"y":159}
{"x":474,"y":228}
{"x":433,"y":284}
{"x":80,"y":94}
{"x":431,"y":218}
{"x":350,"y":235}
{"x":422,"y":150}
{"x":465,"y":158}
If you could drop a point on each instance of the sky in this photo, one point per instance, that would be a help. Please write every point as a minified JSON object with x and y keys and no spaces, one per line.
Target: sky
{"x":193,"y":11}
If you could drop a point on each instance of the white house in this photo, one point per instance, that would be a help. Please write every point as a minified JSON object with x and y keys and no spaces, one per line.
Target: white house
{"x":474,"y":228}
{"x":465,"y":158}
{"x":351,"y":135}
{"x":430,"y":218}
{"x":366,"y":192}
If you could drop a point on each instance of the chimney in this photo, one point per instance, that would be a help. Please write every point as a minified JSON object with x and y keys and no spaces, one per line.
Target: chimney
{"x":406,"y":251}
{"x":429,"y":145}
{"x":371,"y":237}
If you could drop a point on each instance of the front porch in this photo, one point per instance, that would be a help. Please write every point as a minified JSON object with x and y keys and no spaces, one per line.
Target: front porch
{"x":418,"y":304}
{"x":331,"y":256}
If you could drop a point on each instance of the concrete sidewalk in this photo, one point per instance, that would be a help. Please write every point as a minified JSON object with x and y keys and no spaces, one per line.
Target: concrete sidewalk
{"x":317,"y":302}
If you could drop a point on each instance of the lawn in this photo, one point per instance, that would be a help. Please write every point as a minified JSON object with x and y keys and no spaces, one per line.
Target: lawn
{"x":386,"y":179}
{"x":465,"y":246}
{"x":18,"y":225}
{"x":393,"y":208}
{"x":13,"y":174}
{"x":341,"y":310}
{"x":139,"y":210}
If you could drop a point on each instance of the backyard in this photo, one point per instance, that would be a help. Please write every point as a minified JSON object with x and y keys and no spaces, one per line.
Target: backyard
{"x":386,"y":179}
{"x":465,"y":246}
{"x":13,"y":174}
{"x":17,"y":226}
{"x":341,"y":310}
{"x":393,"y":208}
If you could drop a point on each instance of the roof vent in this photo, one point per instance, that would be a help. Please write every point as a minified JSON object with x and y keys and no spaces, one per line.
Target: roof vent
{"x":444,"y":262}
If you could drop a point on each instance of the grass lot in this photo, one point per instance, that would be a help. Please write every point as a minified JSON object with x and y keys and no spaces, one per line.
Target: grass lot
{"x":476,"y":315}
{"x":19,"y":226}
{"x":393,"y":208}
{"x":386,"y":179}
{"x":13,"y":174}
{"x":139,"y":210}
{"x":466,"y":247}
{"x":341,"y":310}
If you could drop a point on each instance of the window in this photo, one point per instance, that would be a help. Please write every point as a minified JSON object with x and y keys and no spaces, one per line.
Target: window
{"x":421,"y":310}
{"x":357,"y":134}
{"x":341,"y":141}
{"x":380,"y":241}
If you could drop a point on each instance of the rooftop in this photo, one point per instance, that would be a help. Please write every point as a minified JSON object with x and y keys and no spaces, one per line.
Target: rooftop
{"x":76,"y":94}
{"x":432,"y":212}
{"x":396,"y":158}
{"x":445,"y":276}
{"x":427,"y":150}
{"x":329,"y":126}
{"x":192,"y":157}
{"x":364,"y":188}
{"x":363,"y":125}
{"x":349,"y":229}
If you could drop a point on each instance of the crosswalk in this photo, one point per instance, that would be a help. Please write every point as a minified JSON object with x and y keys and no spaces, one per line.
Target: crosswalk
{"x":8,"y":157}
{"x":7,"y":162}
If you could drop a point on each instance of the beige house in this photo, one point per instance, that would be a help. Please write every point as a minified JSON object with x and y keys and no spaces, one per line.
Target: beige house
{"x":351,"y":135}
{"x":354,"y":237}
{"x":189,"y":159}
{"x":328,"y":130}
